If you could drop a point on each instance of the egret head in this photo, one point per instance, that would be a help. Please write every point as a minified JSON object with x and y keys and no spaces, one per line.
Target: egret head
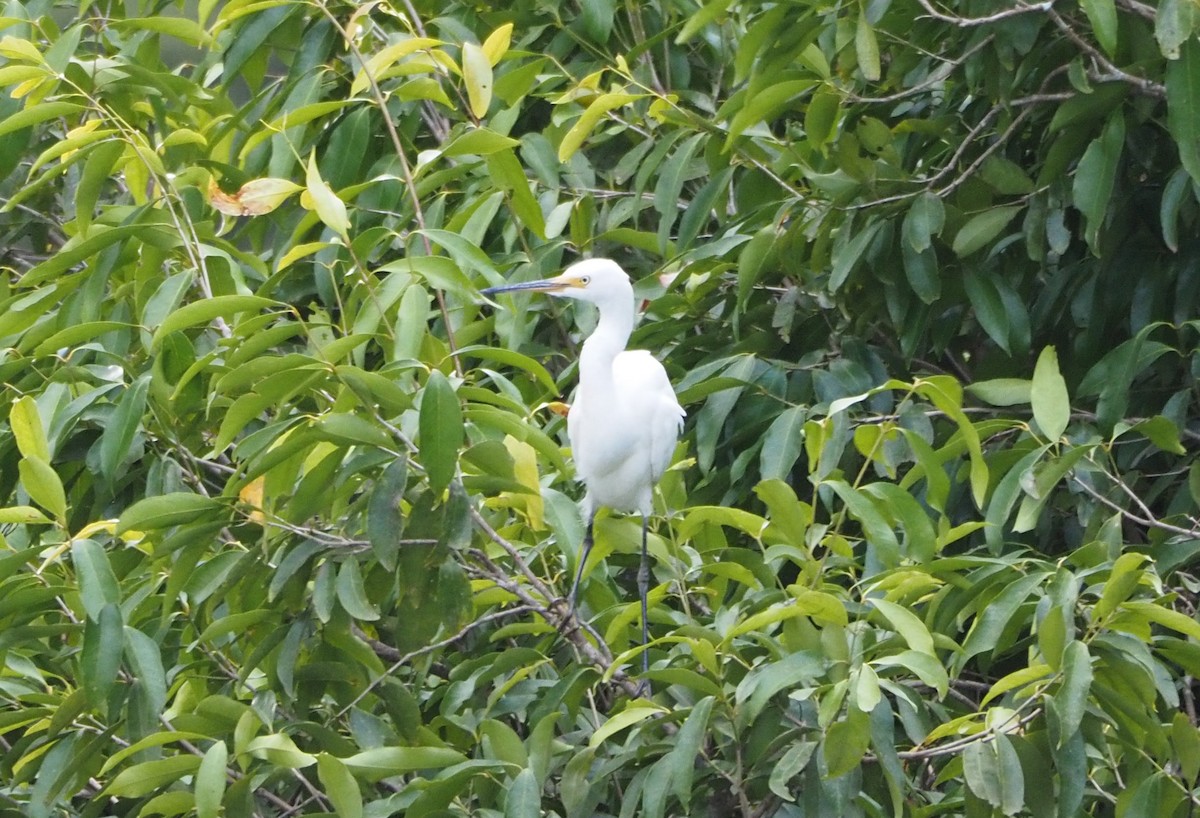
{"x":597,"y":280}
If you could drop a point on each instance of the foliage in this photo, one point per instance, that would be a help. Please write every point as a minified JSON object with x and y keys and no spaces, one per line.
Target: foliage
{"x":287,"y":514}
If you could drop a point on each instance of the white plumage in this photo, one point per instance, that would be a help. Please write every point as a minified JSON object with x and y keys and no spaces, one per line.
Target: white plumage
{"x":625,"y":419}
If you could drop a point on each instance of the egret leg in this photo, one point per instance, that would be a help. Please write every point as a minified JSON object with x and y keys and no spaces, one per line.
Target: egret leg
{"x":643,"y":590}
{"x":588,"y":542}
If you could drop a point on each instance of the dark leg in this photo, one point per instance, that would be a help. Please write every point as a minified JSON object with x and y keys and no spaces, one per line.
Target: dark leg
{"x":643,"y":590}
{"x":588,"y":542}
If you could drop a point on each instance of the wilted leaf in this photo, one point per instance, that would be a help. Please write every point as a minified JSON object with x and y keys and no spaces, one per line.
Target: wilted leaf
{"x":255,"y":198}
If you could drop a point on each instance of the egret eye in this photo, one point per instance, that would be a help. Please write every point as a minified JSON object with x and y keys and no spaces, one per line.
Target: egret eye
{"x":585,"y":280}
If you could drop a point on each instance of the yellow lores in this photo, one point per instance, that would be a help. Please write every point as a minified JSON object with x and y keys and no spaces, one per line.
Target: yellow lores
{"x":625,"y":419}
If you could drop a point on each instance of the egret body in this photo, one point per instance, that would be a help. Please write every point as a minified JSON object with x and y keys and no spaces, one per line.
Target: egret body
{"x":625,"y":419}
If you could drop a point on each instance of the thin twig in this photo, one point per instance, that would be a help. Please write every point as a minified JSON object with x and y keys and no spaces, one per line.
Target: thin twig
{"x":1148,"y":87}
{"x":1148,"y":521}
{"x":968,"y":22}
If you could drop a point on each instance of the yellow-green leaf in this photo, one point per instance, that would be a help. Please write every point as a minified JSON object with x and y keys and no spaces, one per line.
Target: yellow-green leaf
{"x":497,"y":43}
{"x":340,"y":786}
{"x":43,"y":485}
{"x":23,"y":515}
{"x":477,"y":75}
{"x":588,"y":119}
{"x":210,"y":781}
{"x":26,"y":424}
{"x":320,"y":197}
{"x":35,"y":114}
{"x":1048,"y":394}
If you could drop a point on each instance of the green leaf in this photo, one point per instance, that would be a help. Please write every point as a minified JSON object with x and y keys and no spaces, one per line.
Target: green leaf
{"x":924,"y":219}
{"x":876,"y":529}
{"x":340,"y":786}
{"x":820,"y":117}
{"x":846,"y":743}
{"x":993,"y":772}
{"x":980,"y":229}
{"x":497,"y":43}
{"x":201,"y":312}
{"x":681,"y":760}
{"x":1174,"y":22}
{"x":1126,"y":574}
{"x":788,"y":515}
{"x":907,"y":624}
{"x":1072,"y":697}
{"x":634,"y":712}
{"x":1185,"y":739}
{"x":707,"y":14}
{"x":846,"y":258}
{"x":23,"y":515}
{"x":1002,"y":391}
{"x":1006,"y":177}
{"x":574,"y":138}
{"x":352,"y":594}
{"x":165,"y":511}
{"x":118,"y":442}
{"x":329,"y":207}
{"x":1096,"y":176}
{"x":26,"y":424}
{"x":146,"y":668}
{"x":280,"y":749}
{"x":866,"y":47}
{"x":752,"y":261}
{"x":1164,"y":616}
{"x":789,"y":766}
{"x":179,"y":27}
{"x":506,"y":169}
{"x":385,"y":762}
{"x":1176,"y":192}
{"x":100,"y":658}
{"x":352,"y":430}
{"x":477,"y":76}
{"x":1162,"y":432}
{"x":209,"y":785}
{"x":385,"y":523}
{"x":1048,"y":394}
{"x":1102,"y":14}
{"x":783,"y":443}
{"x":441,"y":430}
{"x":865,"y":683}
{"x":143,"y":779}
{"x":44,"y":486}
{"x":35,"y":114}
{"x":988,"y":627}
{"x":97,"y":583}
{"x":523,"y":798}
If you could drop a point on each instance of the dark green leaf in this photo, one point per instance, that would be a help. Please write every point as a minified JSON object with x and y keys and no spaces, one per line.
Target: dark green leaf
{"x":441,"y":430}
{"x":101,"y":656}
{"x":166,"y":511}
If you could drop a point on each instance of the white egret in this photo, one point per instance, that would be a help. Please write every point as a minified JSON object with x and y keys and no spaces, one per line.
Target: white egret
{"x":625,"y":419}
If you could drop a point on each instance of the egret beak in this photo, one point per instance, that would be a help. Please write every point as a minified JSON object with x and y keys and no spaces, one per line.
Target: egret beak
{"x":546,"y":285}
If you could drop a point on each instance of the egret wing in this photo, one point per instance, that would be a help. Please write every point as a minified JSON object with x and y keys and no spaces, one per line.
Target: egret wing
{"x":647,"y":392}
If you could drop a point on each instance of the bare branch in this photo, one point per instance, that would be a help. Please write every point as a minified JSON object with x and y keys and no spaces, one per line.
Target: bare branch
{"x":968,"y":22}
{"x":1110,"y":72}
{"x":1145,"y":520}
